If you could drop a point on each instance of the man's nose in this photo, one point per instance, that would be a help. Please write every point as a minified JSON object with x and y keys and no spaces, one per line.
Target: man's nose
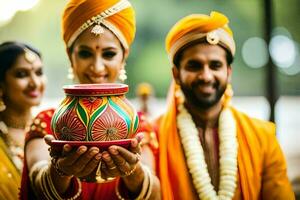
{"x":205,"y":74}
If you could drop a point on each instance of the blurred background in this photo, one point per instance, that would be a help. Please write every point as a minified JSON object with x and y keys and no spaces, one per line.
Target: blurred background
{"x":266,"y":69}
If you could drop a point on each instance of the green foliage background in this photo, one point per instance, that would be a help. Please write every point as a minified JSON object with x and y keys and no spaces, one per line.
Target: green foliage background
{"x":148,"y":60}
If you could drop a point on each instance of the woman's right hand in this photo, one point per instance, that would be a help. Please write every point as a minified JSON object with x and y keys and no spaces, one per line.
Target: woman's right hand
{"x":72,"y":161}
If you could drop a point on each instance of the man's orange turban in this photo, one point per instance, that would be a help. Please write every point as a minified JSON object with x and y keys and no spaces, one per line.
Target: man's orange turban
{"x":116,"y":15}
{"x":197,"y":26}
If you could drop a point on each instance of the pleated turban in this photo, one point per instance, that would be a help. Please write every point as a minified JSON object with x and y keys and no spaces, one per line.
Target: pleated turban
{"x":116,"y":15}
{"x":197,"y":26}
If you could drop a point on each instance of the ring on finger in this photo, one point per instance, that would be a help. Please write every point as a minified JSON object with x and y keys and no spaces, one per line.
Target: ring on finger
{"x":138,"y":157}
{"x":128,"y":173}
{"x":123,"y":163}
{"x":112,"y":168}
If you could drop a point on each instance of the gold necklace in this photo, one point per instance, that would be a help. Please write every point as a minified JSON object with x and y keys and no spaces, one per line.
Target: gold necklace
{"x":195,"y":156}
{"x":15,"y":148}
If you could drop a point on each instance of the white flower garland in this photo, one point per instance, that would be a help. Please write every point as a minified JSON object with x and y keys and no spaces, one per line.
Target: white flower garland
{"x":196,"y":160}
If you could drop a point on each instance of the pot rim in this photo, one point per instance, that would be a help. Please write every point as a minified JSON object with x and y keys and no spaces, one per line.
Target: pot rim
{"x":103,"y":89}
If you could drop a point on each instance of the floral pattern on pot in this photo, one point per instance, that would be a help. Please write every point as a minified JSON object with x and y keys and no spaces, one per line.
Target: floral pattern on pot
{"x":101,"y":116}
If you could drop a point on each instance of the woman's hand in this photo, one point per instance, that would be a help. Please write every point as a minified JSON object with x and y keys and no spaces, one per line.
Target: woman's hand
{"x":78,"y":162}
{"x":83,"y":161}
{"x":118,"y":161}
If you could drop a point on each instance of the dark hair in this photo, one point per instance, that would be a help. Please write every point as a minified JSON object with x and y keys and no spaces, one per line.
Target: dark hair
{"x":9,"y":52}
{"x":178,"y":55}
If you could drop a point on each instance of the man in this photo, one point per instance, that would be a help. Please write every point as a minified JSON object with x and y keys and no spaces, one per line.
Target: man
{"x":208,"y":149}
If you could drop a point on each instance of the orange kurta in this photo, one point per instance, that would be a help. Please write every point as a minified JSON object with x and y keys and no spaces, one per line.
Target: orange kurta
{"x":261,"y":165}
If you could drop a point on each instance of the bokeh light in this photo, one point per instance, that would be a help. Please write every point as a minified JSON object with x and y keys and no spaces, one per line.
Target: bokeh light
{"x":255,"y":52}
{"x":283,"y":51}
{"x":9,"y":8}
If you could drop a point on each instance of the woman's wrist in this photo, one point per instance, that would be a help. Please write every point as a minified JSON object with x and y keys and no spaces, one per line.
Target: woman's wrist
{"x":58,"y":171}
{"x":142,"y":190}
{"x":50,"y":185}
{"x":134,"y":181}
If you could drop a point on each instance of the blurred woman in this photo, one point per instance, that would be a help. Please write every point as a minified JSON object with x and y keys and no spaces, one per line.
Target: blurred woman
{"x":98,"y":35}
{"x":22,"y":84}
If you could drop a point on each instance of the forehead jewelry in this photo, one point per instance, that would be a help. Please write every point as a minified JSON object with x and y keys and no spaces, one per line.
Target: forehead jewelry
{"x":29,"y":55}
{"x":99,"y":19}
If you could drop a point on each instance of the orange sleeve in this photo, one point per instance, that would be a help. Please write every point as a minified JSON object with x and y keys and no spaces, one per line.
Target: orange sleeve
{"x":275,"y":183}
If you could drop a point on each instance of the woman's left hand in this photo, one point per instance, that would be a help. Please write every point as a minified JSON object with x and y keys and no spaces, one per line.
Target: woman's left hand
{"x":118,"y":161}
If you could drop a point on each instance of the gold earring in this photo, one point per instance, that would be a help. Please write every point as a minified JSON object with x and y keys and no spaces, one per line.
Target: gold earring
{"x":2,"y":105}
{"x":70,"y":75}
{"x":122,"y":75}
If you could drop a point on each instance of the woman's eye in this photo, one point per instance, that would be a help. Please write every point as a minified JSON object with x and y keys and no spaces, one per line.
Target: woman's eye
{"x":84,"y":54}
{"x":21,"y":74}
{"x":109,"y":54}
{"x":39,"y":72}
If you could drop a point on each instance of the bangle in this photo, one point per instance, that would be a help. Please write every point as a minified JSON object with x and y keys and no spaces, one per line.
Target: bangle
{"x":36,"y":168}
{"x":43,"y":184}
{"x":147,"y":186}
{"x":55,"y":165}
{"x":54,"y":192}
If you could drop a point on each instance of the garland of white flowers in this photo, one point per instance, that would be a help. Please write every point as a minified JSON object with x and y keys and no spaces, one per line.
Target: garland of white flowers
{"x":196,"y":160}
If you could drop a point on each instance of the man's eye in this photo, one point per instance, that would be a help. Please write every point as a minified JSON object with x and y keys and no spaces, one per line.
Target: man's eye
{"x":215,"y":65}
{"x":84,"y":54}
{"x":192,"y":65}
{"x":109,"y":54}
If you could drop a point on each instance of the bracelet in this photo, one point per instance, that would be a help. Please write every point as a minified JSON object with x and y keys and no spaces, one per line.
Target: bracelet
{"x":57,"y":168}
{"x":130,"y":172}
{"x":53,"y":190}
{"x":43,"y":184}
{"x":147,"y":186}
{"x":36,"y":168}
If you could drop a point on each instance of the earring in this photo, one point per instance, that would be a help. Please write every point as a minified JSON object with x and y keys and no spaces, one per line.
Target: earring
{"x":122,"y":75}
{"x":2,"y":105}
{"x":70,"y":75}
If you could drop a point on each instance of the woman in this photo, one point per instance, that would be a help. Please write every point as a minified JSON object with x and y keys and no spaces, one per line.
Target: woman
{"x":97,"y":34}
{"x":22,"y":86}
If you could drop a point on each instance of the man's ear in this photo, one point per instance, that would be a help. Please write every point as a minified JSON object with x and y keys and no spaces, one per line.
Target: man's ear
{"x":229,"y":73}
{"x":175,"y":71}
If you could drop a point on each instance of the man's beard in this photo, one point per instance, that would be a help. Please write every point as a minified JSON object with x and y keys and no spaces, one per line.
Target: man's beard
{"x":200,"y":101}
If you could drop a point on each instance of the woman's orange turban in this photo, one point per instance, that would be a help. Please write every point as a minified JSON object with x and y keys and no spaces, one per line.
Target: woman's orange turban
{"x":116,"y":15}
{"x":197,"y":26}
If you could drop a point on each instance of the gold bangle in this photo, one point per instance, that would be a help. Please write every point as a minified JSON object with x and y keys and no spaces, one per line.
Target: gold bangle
{"x":49,"y":189}
{"x":147,"y":186}
{"x":54,"y":162}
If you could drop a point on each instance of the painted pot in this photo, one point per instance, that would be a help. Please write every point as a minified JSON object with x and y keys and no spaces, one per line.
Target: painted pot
{"x":95,"y":112}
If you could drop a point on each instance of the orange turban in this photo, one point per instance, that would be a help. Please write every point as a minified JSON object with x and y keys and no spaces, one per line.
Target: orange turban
{"x":116,"y":15}
{"x":197,"y":26}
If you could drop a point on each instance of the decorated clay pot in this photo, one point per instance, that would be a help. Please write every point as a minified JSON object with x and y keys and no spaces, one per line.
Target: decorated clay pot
{"x":95,"y":112}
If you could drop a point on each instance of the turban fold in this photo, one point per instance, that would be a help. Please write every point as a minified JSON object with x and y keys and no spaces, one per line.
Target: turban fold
{"x":116,"y":15}
{"x":197,"y":26}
